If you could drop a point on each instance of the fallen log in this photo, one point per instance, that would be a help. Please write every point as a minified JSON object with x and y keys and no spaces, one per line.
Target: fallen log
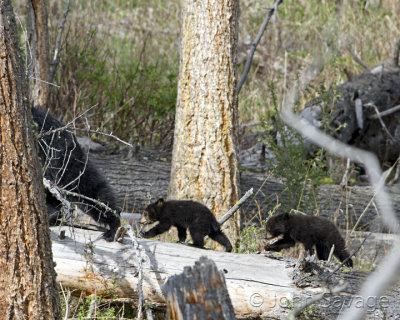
{"x":266,"y":286}
{"x":138,"y":182}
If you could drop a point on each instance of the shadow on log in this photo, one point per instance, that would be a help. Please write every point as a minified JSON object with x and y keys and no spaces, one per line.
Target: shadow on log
{"x":199,"y":292}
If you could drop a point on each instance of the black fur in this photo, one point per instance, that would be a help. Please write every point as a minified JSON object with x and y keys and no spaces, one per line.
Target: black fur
{"x":184,"y":214}
{"x":65,"y":164}
{"x":310,"y":231}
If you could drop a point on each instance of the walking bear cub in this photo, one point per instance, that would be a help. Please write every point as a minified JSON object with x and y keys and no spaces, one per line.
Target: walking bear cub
{"x":310,"y":231}
{"x":184,"y":214}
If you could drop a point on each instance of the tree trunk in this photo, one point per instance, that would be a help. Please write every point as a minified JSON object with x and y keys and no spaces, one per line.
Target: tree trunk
{"x":27,"y":277}
{"x":37,"y":51}
{"x":205,"y":160}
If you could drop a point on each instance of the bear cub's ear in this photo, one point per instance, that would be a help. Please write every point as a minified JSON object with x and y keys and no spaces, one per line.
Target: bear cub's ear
{"x":286,"y":215}
{"x":160,"y":202}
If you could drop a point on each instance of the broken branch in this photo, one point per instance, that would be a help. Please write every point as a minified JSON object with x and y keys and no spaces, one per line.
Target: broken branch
{"x":236,"y":207}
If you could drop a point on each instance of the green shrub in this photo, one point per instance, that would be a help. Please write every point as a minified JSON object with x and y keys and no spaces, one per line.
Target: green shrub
{"x":301,"y":168}
{"x":134,"y":97}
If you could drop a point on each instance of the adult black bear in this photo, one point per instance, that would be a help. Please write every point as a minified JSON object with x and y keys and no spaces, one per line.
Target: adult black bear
{"x":310,"y":231}
{"x":184,"y":214}
{"x":66,"y":165}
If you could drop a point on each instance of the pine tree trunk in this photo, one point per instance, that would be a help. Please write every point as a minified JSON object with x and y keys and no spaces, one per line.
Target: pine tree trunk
{"x":205,"y":161}
{"x":27,"y":277}
{"x":38,"y":49}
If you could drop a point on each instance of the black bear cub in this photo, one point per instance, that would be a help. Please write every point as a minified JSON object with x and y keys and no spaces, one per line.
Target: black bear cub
{"x":310,"y":231}
{"x":184,"y":214}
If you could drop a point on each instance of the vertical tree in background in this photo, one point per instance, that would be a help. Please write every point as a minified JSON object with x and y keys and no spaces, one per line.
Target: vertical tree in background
{"x":204,"y":160}
{"x":27,"y":277}
{"x":37,"y":51}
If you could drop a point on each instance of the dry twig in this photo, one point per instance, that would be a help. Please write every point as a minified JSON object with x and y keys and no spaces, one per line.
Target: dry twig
{"x":292,"y":315}
{"x":357,"y":58}
{"x":54,"y":63}
{"x":255,"y":43}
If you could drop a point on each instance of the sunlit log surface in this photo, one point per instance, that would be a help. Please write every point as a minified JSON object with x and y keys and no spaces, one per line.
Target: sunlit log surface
{"x":257,"y":285}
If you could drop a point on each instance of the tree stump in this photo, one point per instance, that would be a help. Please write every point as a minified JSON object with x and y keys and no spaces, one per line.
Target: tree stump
{"x":198,"y":293}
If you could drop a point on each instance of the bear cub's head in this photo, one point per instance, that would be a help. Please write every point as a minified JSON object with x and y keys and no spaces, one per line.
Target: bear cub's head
{"x":277,"y":225}
{"x":152,"y":213}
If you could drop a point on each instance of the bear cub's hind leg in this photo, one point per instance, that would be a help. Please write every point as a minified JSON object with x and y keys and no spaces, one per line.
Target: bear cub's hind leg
{"x":181,"y":234}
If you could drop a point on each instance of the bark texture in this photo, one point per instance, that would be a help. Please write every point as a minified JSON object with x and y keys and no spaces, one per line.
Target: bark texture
{"x":205,"y":161}
{"x":198,"y":293}
{"x":27,"y":277}
{"x":38,"y":49}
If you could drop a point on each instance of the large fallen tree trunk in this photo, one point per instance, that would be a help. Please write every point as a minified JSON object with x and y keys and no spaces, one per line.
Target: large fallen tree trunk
{"x":137,"y":182}
{"x":258,"y":285}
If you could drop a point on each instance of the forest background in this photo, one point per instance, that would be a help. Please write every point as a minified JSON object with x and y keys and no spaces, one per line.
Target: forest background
{"x":123,"y":57}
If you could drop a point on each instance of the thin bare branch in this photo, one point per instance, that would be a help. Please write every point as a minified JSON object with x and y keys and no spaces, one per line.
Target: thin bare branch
{"x":96,"y":202}
{"x":357,"y":58}
{"x":54,"y":63}
{"x":345,"y":177}
{"x":236,"y":207}
{"x":384,"y":113}
{"x":56,"y":192}
{"x":47,"y":82}
{"x":255,"y":43}
{"x":110,"y":135}
{"x":292,"y":315}
{"x":47,"y":133}
{"x":70,"y":125}
{"x":378,"y":116}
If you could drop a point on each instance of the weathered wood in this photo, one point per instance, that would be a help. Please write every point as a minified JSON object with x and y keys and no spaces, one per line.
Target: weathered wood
{"x":137,"y":182}
{"x":198,"y":293}
{"x":257,"y":285}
